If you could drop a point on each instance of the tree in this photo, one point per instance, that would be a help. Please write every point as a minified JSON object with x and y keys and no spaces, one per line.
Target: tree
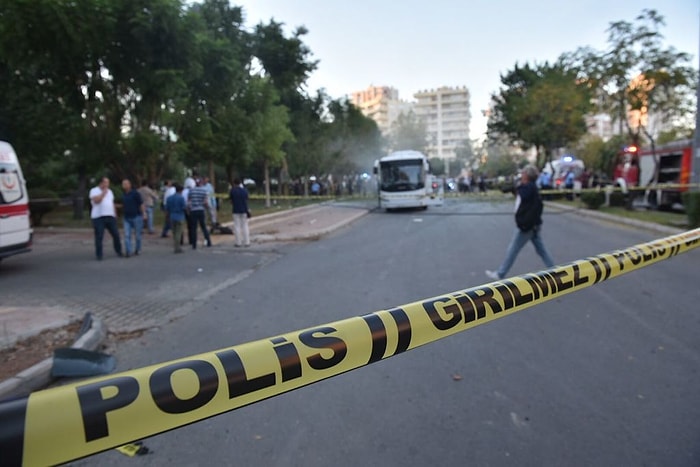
{"x":269,"y":126}
{"x":641,"y":82}
{"x":215,"y":129}
{"x":501,"y":160}
{"x":150,"y":56}
{"x":354,"y":140}
{"x":286,"y":60}
{"x":542,"y":106}
{"x":306,"y":153}
{"x":58,"y":48}
{"x":408,"y":132}
{"x":465,"y":154}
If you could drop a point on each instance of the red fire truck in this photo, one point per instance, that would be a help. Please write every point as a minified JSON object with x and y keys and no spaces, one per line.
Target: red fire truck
{"x":636,"y":168}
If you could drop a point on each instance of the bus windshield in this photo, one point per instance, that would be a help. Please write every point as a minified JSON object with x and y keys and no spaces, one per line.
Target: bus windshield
{"x":405,"y":175}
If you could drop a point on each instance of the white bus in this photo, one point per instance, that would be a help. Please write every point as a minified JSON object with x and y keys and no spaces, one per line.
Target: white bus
{"x":405,"y":181}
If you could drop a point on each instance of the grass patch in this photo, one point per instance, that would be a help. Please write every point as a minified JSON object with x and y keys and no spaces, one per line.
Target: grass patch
{"x":672,"y":219}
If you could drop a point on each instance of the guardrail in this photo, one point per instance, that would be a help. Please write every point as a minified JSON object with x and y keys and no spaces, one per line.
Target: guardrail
{"x":73,"y":421}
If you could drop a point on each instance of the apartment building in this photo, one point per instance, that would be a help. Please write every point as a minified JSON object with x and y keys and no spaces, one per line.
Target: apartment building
{"x":445,"y":111}
{"x":374,"y":103}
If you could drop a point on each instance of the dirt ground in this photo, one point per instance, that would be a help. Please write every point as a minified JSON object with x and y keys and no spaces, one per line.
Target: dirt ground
{"x":32,"y":350}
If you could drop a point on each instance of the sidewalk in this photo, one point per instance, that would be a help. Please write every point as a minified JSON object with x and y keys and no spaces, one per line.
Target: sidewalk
{"x":21,"y":322}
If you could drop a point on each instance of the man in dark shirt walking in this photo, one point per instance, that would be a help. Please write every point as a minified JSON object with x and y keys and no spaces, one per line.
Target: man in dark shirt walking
{"x":239,"y":201}
{"x":528,"y":218}
{"x":134,"y":215}
{"x":197,"y":203}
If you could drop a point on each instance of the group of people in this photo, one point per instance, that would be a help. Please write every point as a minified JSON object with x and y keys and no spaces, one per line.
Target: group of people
{"x":184,"y":205}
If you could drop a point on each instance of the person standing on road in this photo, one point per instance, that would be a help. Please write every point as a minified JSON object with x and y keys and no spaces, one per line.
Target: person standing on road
{"x":528,"y":218}
{"x":545,"y":182}
{"x":241,"y":213}
{"x":212,"y":201}
{"x":175,"y":211}
{"x":197,"y":203}
{"x":104,"y":216}
{"x":569,"y":184}
{"x":188,"y":185}
{"x":150,"y":198}
{"x":169,"y":191}
{"x":134,"y":215}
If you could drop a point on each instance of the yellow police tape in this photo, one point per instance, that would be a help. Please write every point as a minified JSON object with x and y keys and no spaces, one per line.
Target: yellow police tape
{"x":66,"y":423}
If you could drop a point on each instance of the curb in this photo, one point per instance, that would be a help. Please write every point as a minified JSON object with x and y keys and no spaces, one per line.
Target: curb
{"x":652,"y":226}
{"x":316,"y":234}
{"x":262,"y":221}
{"x":39,"y":375}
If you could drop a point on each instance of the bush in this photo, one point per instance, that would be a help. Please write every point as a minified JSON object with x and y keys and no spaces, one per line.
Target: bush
{"x":593,"y":199}
{"x":691,"y":203}
{"x":618,"y":199}
{"x":41,"y":202}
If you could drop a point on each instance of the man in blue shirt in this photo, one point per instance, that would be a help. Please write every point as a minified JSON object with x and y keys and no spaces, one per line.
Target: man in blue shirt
{"x":569,"y":184}
{"x":134,"y":215}
{"x":239,"y":201}
{"x":175,"y":207}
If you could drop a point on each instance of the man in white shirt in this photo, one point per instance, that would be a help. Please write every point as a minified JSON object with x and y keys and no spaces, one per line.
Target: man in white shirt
{"x":212,"y":200}
{"x":189,"y":184}
{"x":104,"y":216}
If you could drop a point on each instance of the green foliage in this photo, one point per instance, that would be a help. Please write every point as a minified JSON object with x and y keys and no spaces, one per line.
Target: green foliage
{"x":353,"y":140}
{"x":409,"y":132}
{"x":637,"y":76}
{"x":618,"y":199}
{"x":148,"y":89}
{"x":41,"y":202}
{"x":437,"y":165}
{"x":674,"y":134}
{"x":500,"y":160}
{"x":465,"y":155}
{"x":593,"y":199}
{"x":691,"y":203}
{"x":285,"y":59}
{"x":542,"y":106}
{"x":599,"y":155}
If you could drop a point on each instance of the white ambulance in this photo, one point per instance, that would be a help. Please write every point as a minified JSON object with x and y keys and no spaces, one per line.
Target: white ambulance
{"x":15,"y":228}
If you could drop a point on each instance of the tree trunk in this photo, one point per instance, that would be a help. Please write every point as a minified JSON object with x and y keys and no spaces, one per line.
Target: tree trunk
{"x":79,"y":196}
{"x":229,"y":173}
{"x":212,"y":175}
{"x":623,"y":109}
{"x":266,"y":168}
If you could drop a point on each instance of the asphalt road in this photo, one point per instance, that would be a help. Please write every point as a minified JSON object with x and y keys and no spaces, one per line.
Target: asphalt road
{"x":607,"y":376}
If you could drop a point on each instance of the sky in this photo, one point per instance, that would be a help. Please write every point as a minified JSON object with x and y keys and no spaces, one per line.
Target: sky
{"x":415,"y":45}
